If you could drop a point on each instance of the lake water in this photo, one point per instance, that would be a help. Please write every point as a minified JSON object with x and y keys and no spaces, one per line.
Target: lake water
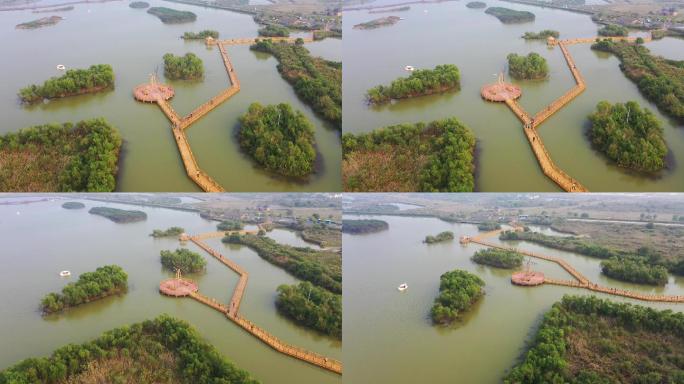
{"x":433,"y":34}
{"x":44,"y":239}
{"x":133,"y":42}
{"x":388,"y":335}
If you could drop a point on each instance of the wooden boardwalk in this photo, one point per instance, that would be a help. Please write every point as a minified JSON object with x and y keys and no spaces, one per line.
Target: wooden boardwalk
{"x":180,"y":124}
{"x":580,"y":281}
{"x":232,"y":309}
{"x":531,"y":123}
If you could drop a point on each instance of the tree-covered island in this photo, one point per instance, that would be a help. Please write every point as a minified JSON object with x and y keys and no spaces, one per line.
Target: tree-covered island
{"x":90,"y":286}
{"x":440,"y":237}
{"x":312,"y":306}
{"x":437,"y":157}
{"x":163,"y":350}
{"x":532,"y":66}
{"x":613,"y":30}
{"x":476,"y":5}
{"x":458,"y":291}
{"x":73,"y":205}
{"x":169,"y":232}
{"x":61,"y":158}
{"x":488,"y":226}
{"x":421,"y":82}
{"x":377,"y":23}
{"x":498,"y":258}
{"x":363,"y":226}
{"x":201,"y":35}
{"x":541,"y":35}
{"x":119,"y":215}
{"x":184,"y":259}
{"x":172,"y":16}
{"x":230,"y":225}
{"x":278,"y":138}
{"x":274,"y":31}
{"x":629,"y":135}
{"x":74,"y":82}
{"x":510,"y":16}
{"x":188,"y":67}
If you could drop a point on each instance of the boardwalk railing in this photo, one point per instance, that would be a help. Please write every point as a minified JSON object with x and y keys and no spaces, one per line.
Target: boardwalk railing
{"x":232,"y":311}
{"x":580,"y":281}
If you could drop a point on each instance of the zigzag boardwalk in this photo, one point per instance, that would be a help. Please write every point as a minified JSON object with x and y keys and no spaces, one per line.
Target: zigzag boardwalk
{"x":232,"y":310}
{"x":179,"y":125}
{"x":530,"y":124}
{"x":580,"y":280}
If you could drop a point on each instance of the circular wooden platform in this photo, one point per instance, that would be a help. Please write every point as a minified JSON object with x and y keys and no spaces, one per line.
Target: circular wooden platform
{"x":528,"y":279}
{"x":150,"y":93}
{"x":500,"y":92}
{"x":177,"y":288}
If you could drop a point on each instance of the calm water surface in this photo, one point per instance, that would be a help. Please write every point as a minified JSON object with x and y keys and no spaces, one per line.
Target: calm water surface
{"x":388,"y":334}
{"x":44,"y":239}
{"x":478,"y":44}
{"x":133,"y":42}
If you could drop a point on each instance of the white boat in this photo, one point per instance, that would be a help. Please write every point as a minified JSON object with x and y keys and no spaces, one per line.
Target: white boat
{"x":65,"y":273}
{"x":409,"y":68}
{"x":61,"y":67}
{"x":403,"y":287}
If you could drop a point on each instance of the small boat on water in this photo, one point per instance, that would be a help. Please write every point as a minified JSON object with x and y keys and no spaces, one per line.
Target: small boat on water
{"x":403,"y":287}
{"x":409,"y":68}
{"x":61,"y":67}
{"x":65,"y":273}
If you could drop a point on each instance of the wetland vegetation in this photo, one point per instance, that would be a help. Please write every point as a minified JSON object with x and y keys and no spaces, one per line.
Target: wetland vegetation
{"x":316,"y":80}
{"x":629,"y":135}
{"x":437,"y":157}
{"x":541,"y":35}
{"x":510,"y":16}
{"x":613,"y":30}
{"x":377,"y":23}
{"x":188,"y":67}
{"x":363,"y":226}
{"x":440,"y":237}
{"x":530,"y":67}
{"x":105,"y":281}
{"x":73,"y":205}
{"x":201,"y":35}
{"x":421,"y":82}
{"x":118,"y":215}
{"x":163,"y":350}
{"x":458,"y":291}
{"x":170,"y":232}
{"x":278,"y":138}
{"x":172,"y":16}
{"x":584,"y":339}
{"x":74,"y":82}
{"x":61,"y":158}
{"x":498,"y":258}
{"x":312,"y":306}
{"x":184,"y":259}
{"x":274,"y":31}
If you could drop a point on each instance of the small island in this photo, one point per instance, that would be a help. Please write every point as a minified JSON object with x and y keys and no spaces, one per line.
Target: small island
{"x":183,"y":259}
{"x":421,"y":82}
{"x":105,"y":281}
{"x":119,"y":215}
{"x":188,"y":67}
{"x":172,"y":16}
{"x":139,"y":5}
{"x":629,"y":135}
{"x":74,"y":82}
{"x":274,"y":31}
{"x":541,"y":35}
{"x":458,"y":291}
{"x":163,"y":350}
{"x":170,"y":232}
{"x":437,"y":157}
{"x":39,"y":23}
{"x":498,"y":258}
{"x":613,"y":30}
{"x":442,"y":236}
{"x":311,"y":306}
{"x":612,"y":335}
{"x":634,"y":269}
{"x":363,"y":226}
{"x":81,"y":157}
{"x":279,"y":139}
{"x":510,"y":16}
{"x":73,"y":205}
{"x":532,"y":66}
{"x":476,"y":5}
{"x":229,"y":225}
{"x":377,"y":23}
{"x":488,"y":226}
{"x":200,"y":35}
